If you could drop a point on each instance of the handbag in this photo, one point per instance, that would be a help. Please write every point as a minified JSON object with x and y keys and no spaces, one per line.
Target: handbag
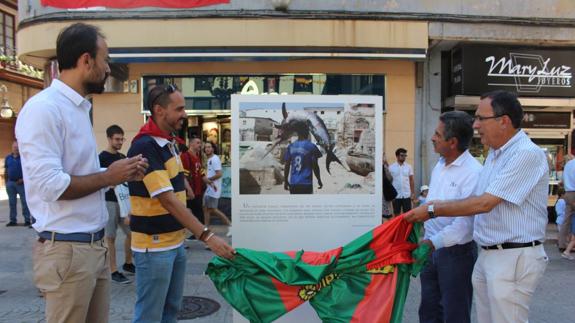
{"x":123,"y":195}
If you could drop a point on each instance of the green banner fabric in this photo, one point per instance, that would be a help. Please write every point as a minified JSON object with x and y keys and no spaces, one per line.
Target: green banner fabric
{"x":364,"y":281}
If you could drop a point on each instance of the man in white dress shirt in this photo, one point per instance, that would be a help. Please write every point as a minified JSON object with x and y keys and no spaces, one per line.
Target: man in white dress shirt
{"x":402,"y":174}
{"x":510,"y":208}
{"x":446,"y":290}
{"x":64,"y":184}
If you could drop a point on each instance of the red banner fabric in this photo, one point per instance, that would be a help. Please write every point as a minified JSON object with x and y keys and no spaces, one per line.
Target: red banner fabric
{"x":75,"y":4}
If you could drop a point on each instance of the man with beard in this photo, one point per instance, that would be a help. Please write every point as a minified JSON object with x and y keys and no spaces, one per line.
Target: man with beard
{"x":159,"y":217}
{"x":64,"y":183}
{"x":402,"y":174}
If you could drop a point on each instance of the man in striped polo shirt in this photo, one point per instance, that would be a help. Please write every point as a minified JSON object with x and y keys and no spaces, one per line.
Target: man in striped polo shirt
{"x":159,"y":214}
{"x":510,"y":208}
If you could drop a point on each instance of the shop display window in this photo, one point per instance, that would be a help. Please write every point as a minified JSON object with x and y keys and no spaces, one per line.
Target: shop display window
{"x":554,"y":149}
{"x":212,"y":93}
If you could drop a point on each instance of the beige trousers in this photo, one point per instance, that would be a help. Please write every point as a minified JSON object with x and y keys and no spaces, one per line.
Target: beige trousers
{"x":565,"y":231}
{"x":75,"y":279}
{"x":504,"y":281}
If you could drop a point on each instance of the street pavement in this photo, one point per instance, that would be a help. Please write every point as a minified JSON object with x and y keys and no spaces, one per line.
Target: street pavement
{"x":20,"y":301}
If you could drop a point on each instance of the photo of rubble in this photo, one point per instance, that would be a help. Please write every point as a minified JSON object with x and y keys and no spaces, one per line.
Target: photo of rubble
{"x":343,"y":132}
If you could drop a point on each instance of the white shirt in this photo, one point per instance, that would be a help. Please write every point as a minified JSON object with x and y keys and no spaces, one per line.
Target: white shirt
{"x":214,"y":164}
{"x":55,"y":139}
{"x":569,"y":176}
{"x":400,"y":174}
{"x":518,"y":173}
{"x":452,"y":182}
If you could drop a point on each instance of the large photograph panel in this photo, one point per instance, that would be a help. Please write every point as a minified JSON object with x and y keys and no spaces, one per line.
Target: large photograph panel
{"x":338,"y":139}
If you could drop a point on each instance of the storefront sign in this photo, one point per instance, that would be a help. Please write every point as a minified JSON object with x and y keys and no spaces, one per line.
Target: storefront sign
{"x":529,"y":72}
{"x":75,"y":4}
{"x":547,"y":120}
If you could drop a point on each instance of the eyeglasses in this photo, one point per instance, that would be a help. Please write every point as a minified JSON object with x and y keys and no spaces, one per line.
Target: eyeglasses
{"x":481,"y":119}
{"x":165,"y":89}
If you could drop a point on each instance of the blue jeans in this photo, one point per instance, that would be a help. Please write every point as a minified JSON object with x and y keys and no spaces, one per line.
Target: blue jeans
{"x":160,"y":278}
{"x":13,"y":190}
{"x":446,"y":289}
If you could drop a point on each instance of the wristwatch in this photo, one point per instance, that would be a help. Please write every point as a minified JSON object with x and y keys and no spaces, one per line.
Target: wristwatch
{"x":205,"y":232}
{"x":430,"y":211}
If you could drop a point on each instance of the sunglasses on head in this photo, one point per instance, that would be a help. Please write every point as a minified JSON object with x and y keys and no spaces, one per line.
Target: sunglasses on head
{"x":165,"y":89}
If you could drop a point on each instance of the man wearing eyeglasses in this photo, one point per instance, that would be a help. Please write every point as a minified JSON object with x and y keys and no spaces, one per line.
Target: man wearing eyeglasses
{"x":510,"y":208}
{"x":159,"y":216}
{"x":115,"y":136}
{"x":402,"y":174}
{"x":64,"y":183}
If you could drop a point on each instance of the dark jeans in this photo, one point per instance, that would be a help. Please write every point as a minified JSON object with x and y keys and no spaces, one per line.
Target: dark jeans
{"x":401,"y":205}
{"x":197,"y":208}
{"x":301,"y":189}
{"x":13,"y":189}
{"x":446,"y":289}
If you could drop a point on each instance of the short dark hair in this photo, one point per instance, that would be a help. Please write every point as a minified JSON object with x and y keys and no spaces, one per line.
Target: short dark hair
{"x":400,"y":151}
{"x":301,"y":128}
{"x":160,"y":94}
{"x":114,"y":130}
{"x":459,"y":125}
{"x":214,"y":147}
{"x":505,"y":103}
{"x":75,"y":40}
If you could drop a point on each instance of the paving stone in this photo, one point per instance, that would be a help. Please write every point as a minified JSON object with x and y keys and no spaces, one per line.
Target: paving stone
{"x":20,"y":301}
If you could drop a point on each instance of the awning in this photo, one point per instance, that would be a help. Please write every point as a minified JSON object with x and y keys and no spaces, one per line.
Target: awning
{"x":143,"y":55}
{"x":131,"y":40}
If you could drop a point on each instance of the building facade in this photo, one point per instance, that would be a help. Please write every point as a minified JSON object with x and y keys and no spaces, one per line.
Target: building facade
{"x":18,"y":81}
{"x":522,"y":46}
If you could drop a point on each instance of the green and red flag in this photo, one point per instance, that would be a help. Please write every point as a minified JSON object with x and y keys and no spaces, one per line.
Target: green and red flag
{"x":364,"y":281}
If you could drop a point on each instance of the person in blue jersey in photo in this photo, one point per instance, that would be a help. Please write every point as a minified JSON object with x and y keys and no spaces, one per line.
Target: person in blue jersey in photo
{"x":300,"y":161}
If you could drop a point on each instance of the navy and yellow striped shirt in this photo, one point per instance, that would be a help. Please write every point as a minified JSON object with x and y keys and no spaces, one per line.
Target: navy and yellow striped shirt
{"x":153,"y":227}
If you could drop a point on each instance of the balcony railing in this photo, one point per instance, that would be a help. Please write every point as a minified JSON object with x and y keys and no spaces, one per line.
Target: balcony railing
{"x":10,"y":62}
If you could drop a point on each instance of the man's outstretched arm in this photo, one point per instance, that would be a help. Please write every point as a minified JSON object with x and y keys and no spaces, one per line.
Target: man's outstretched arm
{"x":179,"y":210}
{"x":465,"y":207}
